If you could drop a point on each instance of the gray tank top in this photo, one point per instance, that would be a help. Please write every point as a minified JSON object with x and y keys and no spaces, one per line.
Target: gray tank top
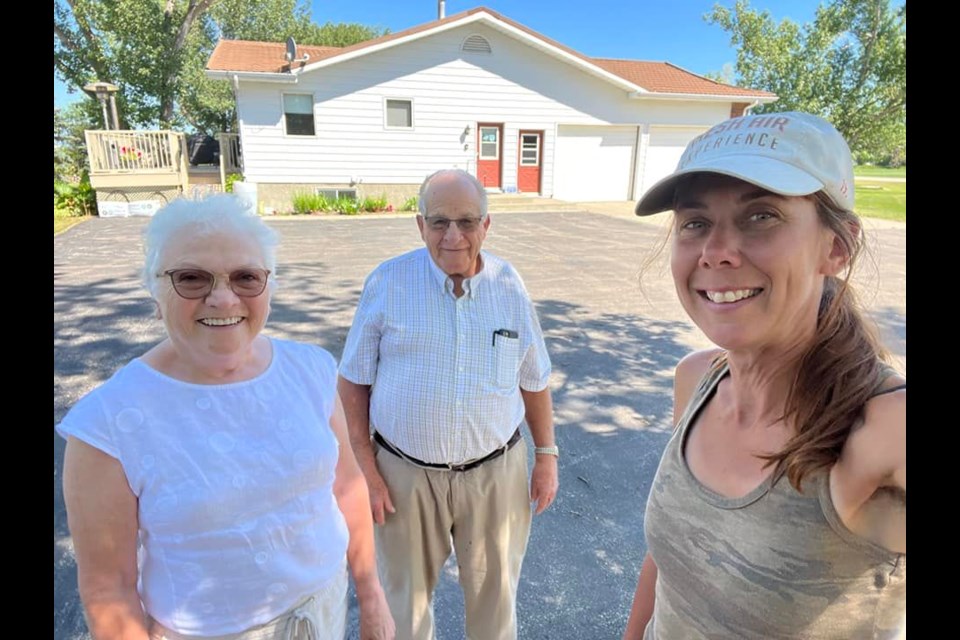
{"x":774,"y":563}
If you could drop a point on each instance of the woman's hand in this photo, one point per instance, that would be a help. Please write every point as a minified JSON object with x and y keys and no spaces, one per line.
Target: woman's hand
{"x":376,"y":623}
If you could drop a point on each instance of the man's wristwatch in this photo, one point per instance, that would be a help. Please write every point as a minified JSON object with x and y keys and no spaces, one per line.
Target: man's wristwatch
{"x":553,"y":451}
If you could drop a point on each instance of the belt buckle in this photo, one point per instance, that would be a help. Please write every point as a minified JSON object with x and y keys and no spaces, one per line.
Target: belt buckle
{"x":456,"y":467}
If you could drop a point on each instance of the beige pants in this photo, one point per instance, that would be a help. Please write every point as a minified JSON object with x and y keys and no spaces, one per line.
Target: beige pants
{"x":486,"y":513}
{"x":322,"y":616}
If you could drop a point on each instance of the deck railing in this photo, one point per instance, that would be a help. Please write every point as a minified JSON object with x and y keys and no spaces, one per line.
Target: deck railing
{"x":139,"y":158}
{"x":116,"y":151}
{"x":231,"y":158}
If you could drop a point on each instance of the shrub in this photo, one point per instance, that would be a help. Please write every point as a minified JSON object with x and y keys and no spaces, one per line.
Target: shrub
{"x":306,"y":203}
{"x":231,"y":178}
{"x":410,"y":204}
{"x":347,"y":206}
{"x":323,"y":203}
{"x":303,"y":202}
{"x":75,"y":199}
{"x":374,"y":204}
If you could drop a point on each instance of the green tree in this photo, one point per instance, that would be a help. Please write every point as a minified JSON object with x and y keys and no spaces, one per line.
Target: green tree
{"x":208,"y":105}
{"x":137,"y":45}
{"x":155,"y":51}
{"x":726,"y":75}
{"x":847,"y":65}
{"x":69,"y":148}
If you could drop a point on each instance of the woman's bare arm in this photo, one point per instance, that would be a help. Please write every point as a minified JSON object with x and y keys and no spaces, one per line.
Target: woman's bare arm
{"x":350,"y":489}
{"x":102,"y":515}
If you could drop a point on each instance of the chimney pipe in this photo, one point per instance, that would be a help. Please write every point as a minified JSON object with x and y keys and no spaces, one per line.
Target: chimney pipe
{"x":441,"y":9}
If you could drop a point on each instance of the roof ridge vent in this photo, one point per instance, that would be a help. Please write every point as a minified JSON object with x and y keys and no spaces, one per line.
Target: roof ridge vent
{"x":476,"y":44}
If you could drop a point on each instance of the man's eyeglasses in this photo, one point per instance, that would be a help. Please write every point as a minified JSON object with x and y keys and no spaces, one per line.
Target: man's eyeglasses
{"x":466,"y":225}
{"x":194,"y":284}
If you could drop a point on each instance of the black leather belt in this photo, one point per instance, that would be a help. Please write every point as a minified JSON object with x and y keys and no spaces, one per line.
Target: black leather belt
{"x":514,"y":439}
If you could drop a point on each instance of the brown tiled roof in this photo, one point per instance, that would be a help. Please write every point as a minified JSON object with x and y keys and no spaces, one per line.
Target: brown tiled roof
{"x":265,"y":57}
{"x":233,"y":55}
{"x":663,"y":77}
{"x":657,"y":77}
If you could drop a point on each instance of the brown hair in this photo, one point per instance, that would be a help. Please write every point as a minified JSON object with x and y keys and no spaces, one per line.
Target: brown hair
{"x":839,"y":371}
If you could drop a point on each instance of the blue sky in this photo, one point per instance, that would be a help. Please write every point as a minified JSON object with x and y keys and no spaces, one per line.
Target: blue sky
{"x":664,"y":30}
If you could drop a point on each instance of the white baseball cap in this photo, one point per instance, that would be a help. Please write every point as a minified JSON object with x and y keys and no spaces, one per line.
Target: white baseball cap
{"x":790,"y":153}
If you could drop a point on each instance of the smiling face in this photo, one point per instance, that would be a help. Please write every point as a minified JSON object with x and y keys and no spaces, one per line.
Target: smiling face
{"x":456,"y":252}
{"x":748,"y":264}
{"x":214,"y":333}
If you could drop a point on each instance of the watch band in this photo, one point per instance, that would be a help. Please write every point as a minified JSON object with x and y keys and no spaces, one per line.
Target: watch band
{"x":553,"y":451}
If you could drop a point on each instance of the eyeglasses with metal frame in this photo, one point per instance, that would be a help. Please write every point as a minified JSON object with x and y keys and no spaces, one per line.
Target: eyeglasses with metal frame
{"x":439,"y":223}
{"x":194,"y":284}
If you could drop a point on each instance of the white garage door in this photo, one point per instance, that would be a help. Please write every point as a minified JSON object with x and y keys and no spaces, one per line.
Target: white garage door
{"x":664,"y":151}
{"x":593,"y":162}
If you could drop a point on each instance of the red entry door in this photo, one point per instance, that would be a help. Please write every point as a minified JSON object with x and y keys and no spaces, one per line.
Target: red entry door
{"x":528,"y":168}
{"x":489,"y":138}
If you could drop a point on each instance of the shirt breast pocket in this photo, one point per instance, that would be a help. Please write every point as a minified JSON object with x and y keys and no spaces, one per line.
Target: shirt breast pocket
{"x":506,"y":365}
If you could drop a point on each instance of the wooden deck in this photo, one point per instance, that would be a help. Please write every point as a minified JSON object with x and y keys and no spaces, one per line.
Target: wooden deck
{"x":153,"y":165}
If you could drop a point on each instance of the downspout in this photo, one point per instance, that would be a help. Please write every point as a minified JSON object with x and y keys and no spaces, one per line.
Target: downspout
{"x":634,"y":163}
{"x":236,"y":99}
{"x":746,"y":111}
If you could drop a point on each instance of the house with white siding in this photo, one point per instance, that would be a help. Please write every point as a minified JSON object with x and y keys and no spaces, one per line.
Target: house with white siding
{"x":475,"y":90}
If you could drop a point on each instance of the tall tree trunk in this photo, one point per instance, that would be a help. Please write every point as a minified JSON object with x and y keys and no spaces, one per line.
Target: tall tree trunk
{"x":196,"y":9}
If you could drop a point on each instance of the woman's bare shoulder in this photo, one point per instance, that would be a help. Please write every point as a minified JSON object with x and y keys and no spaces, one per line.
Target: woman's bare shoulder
{"x":879,"y":445}
{"x":689,"y":371}
{"x":869,"y":481}
{"x":693,"y":365}
{"x":875,"y":453}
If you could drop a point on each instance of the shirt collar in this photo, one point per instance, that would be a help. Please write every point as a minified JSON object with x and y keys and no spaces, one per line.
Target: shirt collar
{"x":470,"y":284}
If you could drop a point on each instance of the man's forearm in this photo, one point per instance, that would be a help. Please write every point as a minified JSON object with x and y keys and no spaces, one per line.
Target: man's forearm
{"x":356,"y":407}
{"x":538,"y":407}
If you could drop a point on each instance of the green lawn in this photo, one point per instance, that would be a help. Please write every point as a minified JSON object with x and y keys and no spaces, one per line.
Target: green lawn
{"x":887,"y":200}
{"x":62,"y":221}
{"x":882,"y":172}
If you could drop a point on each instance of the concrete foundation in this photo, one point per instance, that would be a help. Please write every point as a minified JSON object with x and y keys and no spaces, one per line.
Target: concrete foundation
{"x":279,"y":197}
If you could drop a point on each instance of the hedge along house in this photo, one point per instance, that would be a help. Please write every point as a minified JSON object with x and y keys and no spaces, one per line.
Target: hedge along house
{"x":475,"y":90}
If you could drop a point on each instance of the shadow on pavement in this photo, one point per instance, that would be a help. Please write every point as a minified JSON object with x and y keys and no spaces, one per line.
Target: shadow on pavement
{"x":613,"y":356}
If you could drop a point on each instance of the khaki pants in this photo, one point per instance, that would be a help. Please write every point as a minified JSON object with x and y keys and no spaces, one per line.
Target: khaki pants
{"x":486,"y":513}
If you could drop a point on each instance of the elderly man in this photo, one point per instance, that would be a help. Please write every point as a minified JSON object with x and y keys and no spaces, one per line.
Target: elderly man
{"x":444,"y":360}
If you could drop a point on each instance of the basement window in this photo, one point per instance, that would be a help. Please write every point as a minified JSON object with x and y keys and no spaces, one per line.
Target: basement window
{"x":336,"y":194}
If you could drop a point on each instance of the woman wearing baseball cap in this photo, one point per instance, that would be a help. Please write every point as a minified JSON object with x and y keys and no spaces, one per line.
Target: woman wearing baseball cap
{"x":779,"y":507}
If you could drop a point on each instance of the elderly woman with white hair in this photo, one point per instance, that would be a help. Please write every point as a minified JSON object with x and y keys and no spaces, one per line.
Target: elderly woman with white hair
{"x":210,"y":486}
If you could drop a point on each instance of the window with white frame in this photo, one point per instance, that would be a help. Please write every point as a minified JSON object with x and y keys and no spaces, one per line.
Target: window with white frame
{"x":489,"y":143}
{"x":530,"y":150}
{"x":298,"y":114}
{"x":399,"y":113}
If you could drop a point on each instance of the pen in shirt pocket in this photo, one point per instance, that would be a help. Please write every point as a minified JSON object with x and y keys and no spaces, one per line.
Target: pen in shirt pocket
{"x":506,"y":333}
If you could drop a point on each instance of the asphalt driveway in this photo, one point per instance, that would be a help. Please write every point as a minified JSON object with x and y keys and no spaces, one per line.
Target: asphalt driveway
{"x":613,"y":347}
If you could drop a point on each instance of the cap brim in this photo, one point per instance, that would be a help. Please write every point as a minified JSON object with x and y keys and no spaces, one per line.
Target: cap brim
{"x":771,"y":174}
